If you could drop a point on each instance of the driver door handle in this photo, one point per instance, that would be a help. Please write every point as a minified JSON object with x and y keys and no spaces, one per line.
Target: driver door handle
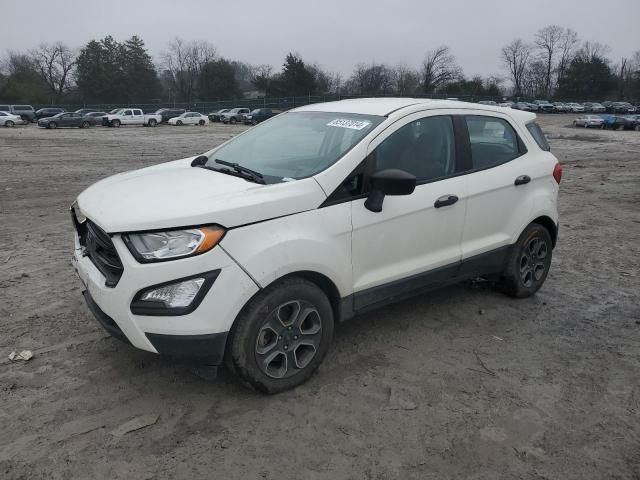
{"x":445,"y":200}
{"x":522,"y":180}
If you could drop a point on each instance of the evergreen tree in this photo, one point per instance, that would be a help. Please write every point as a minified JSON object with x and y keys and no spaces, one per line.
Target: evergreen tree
{"x":218,"y":79}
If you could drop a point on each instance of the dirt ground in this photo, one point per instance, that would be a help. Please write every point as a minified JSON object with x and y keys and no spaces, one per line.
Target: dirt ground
{"x":462,"y":383}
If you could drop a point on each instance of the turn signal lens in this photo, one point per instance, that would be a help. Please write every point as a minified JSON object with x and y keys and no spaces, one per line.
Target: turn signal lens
{"x":212,"y":236}
{"x":557,"y":173}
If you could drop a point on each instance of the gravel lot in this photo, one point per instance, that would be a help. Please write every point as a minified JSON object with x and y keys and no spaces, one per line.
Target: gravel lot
{"x":462,"y":383}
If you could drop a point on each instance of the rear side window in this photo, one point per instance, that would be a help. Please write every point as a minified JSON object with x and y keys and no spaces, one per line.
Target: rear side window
{"x":493,"y":141}
{"x":538,"y":136}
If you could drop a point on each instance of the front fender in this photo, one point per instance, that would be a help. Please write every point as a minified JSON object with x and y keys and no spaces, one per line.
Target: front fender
{"x":317,"y":241}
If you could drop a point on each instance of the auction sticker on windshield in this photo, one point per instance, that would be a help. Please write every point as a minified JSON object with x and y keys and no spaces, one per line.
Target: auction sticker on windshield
{"x":346,"y":123}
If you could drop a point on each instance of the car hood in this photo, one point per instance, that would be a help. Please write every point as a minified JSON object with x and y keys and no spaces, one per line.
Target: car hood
{"x":174,"y":194}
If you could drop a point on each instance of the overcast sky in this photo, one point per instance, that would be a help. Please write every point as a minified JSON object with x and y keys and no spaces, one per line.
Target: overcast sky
{"x":335,"y":33}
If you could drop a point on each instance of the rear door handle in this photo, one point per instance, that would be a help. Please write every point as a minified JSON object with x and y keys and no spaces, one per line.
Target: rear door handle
{"x":445,"y":200}
{"x":522,"y":180}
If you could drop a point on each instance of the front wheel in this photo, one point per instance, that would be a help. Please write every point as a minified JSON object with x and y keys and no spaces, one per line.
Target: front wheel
{"x":232,"y":121}
{"x":281,"y":336}
{"x":85,"y":125}
{"x":179,"y":122}
{"x":115,"y":123}
{"x":528,"y":262}
{"x":52,"y":125}
{"x":153,"y":122}
{"x":9,"y":123}
{"x":201,"y":123}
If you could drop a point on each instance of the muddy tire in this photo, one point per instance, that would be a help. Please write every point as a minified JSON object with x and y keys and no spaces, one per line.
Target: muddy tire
{"x":281,"y":336}
{"x":528,"y":263}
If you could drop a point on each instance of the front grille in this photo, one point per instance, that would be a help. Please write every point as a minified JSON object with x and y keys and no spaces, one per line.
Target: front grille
{"x":100,"y":249}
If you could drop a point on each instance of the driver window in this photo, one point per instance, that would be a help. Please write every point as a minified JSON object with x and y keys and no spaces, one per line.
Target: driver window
{"x":425,"y":148}
{"x":128,"y":112}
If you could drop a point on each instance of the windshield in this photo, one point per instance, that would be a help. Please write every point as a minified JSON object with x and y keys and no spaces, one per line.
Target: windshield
{"x":296,"y":145}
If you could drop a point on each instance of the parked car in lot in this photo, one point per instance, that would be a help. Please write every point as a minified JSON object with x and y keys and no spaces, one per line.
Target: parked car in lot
{"x":9,"y":119}
{"x":96,"y":115}
{"x":84,"y":111}
{"x":26,"y":112}
{"x":533,"y":107}
{"x":588,"y":121}
{"x":560,"y":107}
{"x":235,"y":115}
{"x":613,"y":122}
{"x":253,"y":251}
{"x":258,"y":115}
{"x":524,"y":106}
{"x":189,"y":118}
{"x":507,"y":104}
{"x":67,"y":119}
{"x":215,"y":116}
{"x":130,"y":116}
{"x":488,"y":102}
{"x":632,"y":122}
{"x":593,"y":107}
{"x":48,"y":112}
{"x":544,"y":105}
{"x":619,"y":107}
{"x":575,"y":107}
{"x":168,"y":113}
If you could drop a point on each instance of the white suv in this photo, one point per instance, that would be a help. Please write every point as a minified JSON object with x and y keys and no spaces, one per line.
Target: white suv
{"x":250,"y":253}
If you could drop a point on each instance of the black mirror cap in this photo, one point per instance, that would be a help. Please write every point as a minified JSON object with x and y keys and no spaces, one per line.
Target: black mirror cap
{"x":199,"y":161}
{"x":388,"y":182}
{"x":393,"y":182}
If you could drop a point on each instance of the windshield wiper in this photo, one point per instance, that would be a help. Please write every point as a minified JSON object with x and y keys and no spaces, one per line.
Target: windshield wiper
{"x":246,"y":172}
{"x":234,"y":173}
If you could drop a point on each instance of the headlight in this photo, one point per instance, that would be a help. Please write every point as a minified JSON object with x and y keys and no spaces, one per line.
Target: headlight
{"x":172,"y":244}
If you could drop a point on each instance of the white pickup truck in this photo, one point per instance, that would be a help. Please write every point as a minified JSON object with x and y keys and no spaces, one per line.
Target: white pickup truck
{"x":130,"y":116}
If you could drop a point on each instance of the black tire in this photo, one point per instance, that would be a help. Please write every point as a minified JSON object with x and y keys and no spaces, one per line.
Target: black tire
{"x":252,"y":337}
{"x":9,"y":123}
{"x":637,"y":128}
{"x":152,"y":122}
{"x":115,"y":123}
{"x":528,"y":262}
{"x":201,"y":123}
{"x":232,"y":120}
{"x":179,"y":122}
{"x":85,"y":125}
{"x":53,"y":125}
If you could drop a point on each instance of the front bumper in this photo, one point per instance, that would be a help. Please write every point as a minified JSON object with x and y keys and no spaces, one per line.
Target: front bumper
{"x":197,"y":334}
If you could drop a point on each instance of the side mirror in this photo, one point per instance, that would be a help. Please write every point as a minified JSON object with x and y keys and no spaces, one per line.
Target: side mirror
{"x":388,"y":182}
{"x":199,"y":161}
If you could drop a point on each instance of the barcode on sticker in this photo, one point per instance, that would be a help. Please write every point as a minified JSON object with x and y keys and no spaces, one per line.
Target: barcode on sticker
{"x":346,"y":123}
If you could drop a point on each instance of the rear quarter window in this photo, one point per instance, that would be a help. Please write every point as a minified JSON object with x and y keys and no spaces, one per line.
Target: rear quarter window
{"x":538,"y":136}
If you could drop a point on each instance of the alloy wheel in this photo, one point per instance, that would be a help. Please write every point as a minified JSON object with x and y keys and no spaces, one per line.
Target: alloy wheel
{"x":532,"y":261}
{"x":289,"y":339}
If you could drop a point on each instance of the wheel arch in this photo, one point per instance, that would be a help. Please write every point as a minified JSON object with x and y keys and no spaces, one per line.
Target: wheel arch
{"x":550,"y":225}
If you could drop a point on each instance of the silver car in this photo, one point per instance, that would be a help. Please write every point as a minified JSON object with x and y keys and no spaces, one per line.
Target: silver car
{"x":587,"y":121}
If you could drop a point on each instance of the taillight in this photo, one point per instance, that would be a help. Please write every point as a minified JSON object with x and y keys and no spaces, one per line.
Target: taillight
{"x":557,"y":172}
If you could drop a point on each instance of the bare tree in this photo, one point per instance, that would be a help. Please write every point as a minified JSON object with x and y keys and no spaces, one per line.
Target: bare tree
{"x":548,"y":40}
{"x":55,"y":63}
{"x":373,"y":79}
{"x":406,"y":80}
{"x":591,"y":50}
{"x":438,"y":68}
{"x":515,"y":56}
{"x":567,"y":49}
{"x":184,"y":62}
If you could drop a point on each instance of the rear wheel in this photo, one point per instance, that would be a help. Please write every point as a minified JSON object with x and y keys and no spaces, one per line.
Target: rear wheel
{"x":9,"y":123}
{"x":638,"y":128}
{"x":85,"y":125}
{"x":281,"y":336}
{"x":233,"y":120}
{"x":152,"y":122}
{"x":201,"y":123}
{"x":115,"y":123}
{"x":528,"y":263}
{"x":52,"y":125}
